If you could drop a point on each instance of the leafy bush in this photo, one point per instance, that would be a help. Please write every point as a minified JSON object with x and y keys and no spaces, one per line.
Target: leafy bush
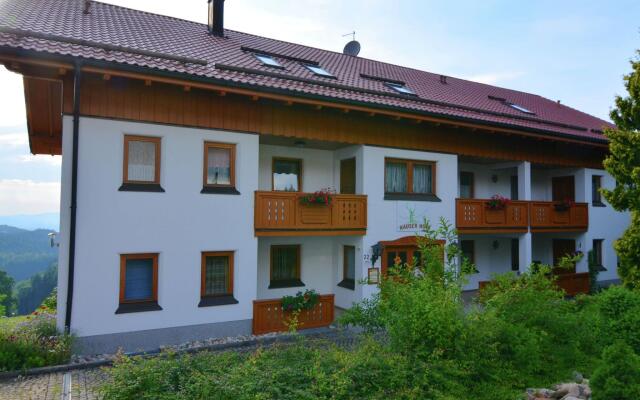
{"x":34,"y":343}
{"x":299,"y":371}
{"x":619,"y":375}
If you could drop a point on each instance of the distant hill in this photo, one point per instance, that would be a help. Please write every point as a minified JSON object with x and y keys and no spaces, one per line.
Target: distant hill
{"x":24,"y":253}
{"x":32,"y":221}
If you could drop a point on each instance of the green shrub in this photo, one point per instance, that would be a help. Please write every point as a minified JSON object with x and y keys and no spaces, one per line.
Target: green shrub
{"x":619,"y":375}
{"x":34,"y":343}
{"x":298,"y":371}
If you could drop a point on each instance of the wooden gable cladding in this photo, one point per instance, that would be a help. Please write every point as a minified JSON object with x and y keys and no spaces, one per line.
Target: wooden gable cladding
{"x":43,"y":100}
{"x":139,"y":100}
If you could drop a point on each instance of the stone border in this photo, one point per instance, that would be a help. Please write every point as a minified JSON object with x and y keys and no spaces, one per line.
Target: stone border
{"x":319,"y":333}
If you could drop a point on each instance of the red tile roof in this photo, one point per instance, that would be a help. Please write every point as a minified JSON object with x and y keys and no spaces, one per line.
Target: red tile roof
{"x":120,"y":35}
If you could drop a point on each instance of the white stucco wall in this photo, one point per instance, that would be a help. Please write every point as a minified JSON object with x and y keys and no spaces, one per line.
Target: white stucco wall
{"x":484,"y":187}
{"x":385,"y":216}
{"x":178,"y":224}
{"x":489,"y":260}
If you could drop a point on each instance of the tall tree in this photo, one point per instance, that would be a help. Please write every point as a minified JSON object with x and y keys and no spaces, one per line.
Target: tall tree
{"x":7,"y":300}
{"x":623,"y":163}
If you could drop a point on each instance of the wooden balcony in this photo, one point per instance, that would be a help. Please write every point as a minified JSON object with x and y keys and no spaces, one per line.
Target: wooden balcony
{"x":545,"y":217}
{"x":281,"y":214}
{"x":473,"y":216}
{"x":268,"y":315}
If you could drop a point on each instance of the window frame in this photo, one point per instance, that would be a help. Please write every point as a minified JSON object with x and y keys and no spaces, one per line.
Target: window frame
{"x":125,"y":170}
{"x":150,"y":304}
{"x":596,"y":202}
{"x":348,"y":283}
{"x":285,"y":283}
{"x":217,"y":299}
{"x":310,"y":68}
{"x":400,"y":88}
{"x":598,"y":244}
{"x":273,"y":171}
{"x":267,"y":56}
{"x":409,"y":194}
{"x":214,"y":187}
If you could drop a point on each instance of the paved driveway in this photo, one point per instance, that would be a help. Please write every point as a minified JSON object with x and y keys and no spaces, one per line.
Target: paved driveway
{"x":52,"y":386}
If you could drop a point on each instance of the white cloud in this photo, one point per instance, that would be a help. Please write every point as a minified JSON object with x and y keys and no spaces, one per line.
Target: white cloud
{"x":54,"y":161}
{"x":28,"y":197}
{"x":12,"y":109}
{"x":11,"y":139}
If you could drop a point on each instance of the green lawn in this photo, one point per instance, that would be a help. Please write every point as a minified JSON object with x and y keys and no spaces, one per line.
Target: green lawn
{"x":11,"y":322}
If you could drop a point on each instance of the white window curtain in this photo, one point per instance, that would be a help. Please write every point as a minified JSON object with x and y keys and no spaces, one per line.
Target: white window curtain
{"x":142,"y":161}
{"x":350,"y":259}
{"x":395,"y":177}
{"x":216,"y":276}
{"x":421,"y":178}
{"x":218,"y":166}
{"x":285,"y":175}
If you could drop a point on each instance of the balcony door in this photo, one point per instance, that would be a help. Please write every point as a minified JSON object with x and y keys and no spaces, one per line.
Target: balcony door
{"x":563,"y":188}
{"x":562,"y":247}
{"x":348,"y":176}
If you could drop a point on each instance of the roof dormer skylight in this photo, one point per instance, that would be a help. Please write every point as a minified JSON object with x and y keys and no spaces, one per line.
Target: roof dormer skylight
{"x":399,"y":88}
{"x":267,"y":60}
{"x":519,"y":108}
{"x":318,"y":70}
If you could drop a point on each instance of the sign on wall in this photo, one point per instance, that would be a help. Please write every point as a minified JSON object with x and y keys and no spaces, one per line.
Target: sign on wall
{"x":410,"y":216}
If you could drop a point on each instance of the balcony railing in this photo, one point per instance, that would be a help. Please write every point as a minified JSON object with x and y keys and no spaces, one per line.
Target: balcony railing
{"x":473,"y":216}
{"x":547,"y":217}
{"x":268,"y":315}
{"x":282,"y":214}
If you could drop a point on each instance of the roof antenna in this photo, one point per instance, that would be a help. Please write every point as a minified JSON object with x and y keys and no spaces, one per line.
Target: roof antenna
{"x":353,"y":47}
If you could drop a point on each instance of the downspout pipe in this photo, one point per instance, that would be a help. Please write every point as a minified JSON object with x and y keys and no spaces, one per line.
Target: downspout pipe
{"x":74,"y":194}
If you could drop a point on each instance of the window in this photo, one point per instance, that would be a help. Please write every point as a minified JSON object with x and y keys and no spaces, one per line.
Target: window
{"x":468,"y":250}
{"x":400,"y":88}
{"x":219,"y":168}
{"x":287,"y":174}
{"x":216,"y":284}
{"x":285,"y":266}
{"x":407,"y":179}
{"x":318,"y":70}
{"x":596,"y":196}
{"x":466,"y":185}
{"x":515,"y":255}
{"x":348,"y":268}
{"x":513,"y":183}
{"x":519,"y":108}
{"x":141,"y":170}
{"x":268,"y":60}
{"x":138,"y":283}
{"x":597,"y":252}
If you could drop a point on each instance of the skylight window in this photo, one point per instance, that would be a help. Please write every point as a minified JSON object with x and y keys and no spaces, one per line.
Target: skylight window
{"x":267,"y":60}
{"x":399,"y":88}
{"x":318,"y":70}
{"x":520,"y":108}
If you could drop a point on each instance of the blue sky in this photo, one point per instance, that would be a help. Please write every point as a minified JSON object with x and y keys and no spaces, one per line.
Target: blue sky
{"x":573,"y":51}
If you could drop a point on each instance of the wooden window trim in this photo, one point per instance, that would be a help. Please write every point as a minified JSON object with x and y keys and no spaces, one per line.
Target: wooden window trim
{"x":125,"y":170}
{"x":347,"y":283}
{"x":273,"y":171}
{"x":123,"y":270}
{"x":276,"y":284}
{"x":473,"y":182}
{"x":410,"y":164}
{"x":231,"y":147}
{"x":203,"y":272}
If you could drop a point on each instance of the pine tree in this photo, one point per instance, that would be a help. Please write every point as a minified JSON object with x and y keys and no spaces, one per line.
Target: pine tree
{"x":623,"y":163}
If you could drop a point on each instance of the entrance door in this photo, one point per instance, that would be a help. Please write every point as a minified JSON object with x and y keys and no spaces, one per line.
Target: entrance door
{"x":348,"y":176}
{"x":563,"y":188}
{"x":562,"y":247}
